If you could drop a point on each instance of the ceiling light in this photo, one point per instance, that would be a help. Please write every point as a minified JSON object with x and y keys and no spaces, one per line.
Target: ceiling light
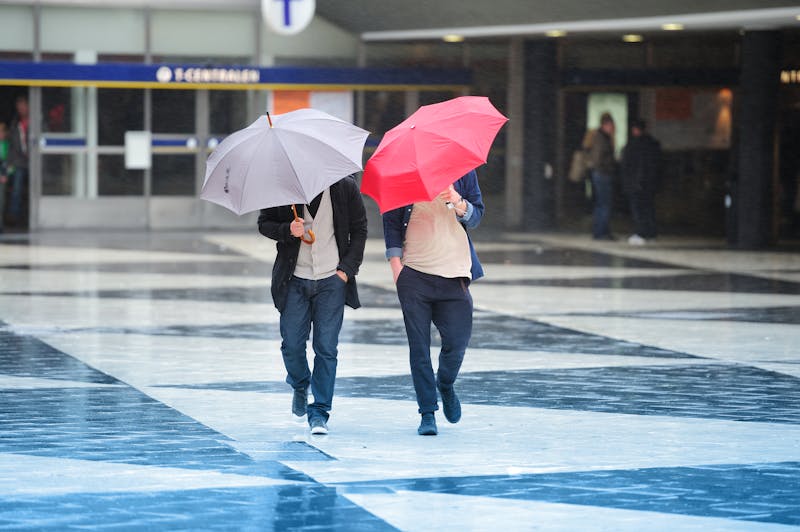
{"x":556,"y":33}
{"x":632,"y":37}
{"x":672,"y":27}
{"x":453,"y":38}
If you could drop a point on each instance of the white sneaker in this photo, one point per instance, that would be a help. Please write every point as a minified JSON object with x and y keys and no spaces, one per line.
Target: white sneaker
{"x":636,"y":240}
{"x":318,"y":426}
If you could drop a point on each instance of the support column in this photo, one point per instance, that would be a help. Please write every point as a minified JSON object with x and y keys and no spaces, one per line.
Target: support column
{"x":758,"y":92}
{"x":541,"y":88}
{"x":514,"y":135}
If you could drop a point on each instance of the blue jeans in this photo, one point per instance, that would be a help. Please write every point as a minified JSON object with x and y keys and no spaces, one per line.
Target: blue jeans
{"x":320,"y":303}
{"x":603,"y":195}
{"x":17,"y":181}
{"x":446,"y":303}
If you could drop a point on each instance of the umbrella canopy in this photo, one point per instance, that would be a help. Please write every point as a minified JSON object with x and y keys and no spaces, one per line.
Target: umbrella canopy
{"x":282,"y":160}
{"x":432,"y":148}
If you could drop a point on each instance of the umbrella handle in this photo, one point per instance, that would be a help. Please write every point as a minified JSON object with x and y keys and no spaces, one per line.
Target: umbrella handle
{"x":311,"y":238}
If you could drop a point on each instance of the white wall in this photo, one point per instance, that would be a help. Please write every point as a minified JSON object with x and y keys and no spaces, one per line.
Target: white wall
{"x":16,"y":28}
{"x":320,"y":39}
{"x":174,"y":32}
{"x":111,"y":31}
{"x":207,"y":33}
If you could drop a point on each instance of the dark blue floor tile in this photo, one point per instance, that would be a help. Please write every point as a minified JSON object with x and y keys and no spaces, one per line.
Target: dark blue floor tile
{"x":280,"y":508}
{"x":752,"y":492}
{"x":227,"y":294}
{"x":729,"y":392}
{"x":787,"y":315}
{"x":704,"y":282}
{"x":244,"y":268}
{"x":490,"y":331}
{"x":113,"y":424}
{"x":548,"y":255}
{"x":26,"y":356}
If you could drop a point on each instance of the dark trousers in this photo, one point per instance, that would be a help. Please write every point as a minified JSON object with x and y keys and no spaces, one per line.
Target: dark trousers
{"x":18,"y":180}
{"x":643,"y":212}
{"x":3,"y":180}
{"x":446,"y":303}
{"x":320,"y":303}
{"x":603,"y":196}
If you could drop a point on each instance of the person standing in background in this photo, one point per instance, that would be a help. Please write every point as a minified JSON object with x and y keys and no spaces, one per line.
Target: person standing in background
{"x":18,"y":159}
{"x":641,"y":164}
{"x":4,"y":170}
{"x":603,"y":167}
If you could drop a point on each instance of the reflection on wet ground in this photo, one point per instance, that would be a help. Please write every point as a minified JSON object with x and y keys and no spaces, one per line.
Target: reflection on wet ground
{"x":606,"y":387}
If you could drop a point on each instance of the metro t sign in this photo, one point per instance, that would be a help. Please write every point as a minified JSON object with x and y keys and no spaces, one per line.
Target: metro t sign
{"x":288,"y":17}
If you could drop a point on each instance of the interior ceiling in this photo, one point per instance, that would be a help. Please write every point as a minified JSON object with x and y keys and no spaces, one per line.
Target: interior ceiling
{"x":375,"y":19}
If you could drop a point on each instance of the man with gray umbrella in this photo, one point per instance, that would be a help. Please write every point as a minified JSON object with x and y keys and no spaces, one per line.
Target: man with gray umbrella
{"x":320,"y":248}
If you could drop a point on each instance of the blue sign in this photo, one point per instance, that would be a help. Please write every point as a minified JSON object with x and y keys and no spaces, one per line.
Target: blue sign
{"x":131,"y":75}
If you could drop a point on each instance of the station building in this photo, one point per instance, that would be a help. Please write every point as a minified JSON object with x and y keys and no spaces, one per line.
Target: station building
{"x":720,"y":89}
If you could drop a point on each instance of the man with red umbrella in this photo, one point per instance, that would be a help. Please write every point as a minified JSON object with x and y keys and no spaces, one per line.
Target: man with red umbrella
{"x":422,"y":175}
{"x":433,"y":262}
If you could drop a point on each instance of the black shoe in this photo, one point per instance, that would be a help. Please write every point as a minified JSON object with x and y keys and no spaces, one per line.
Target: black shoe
{"x":428,"y":425}
{"x":300,"y":402}
{"x":450,"y":404}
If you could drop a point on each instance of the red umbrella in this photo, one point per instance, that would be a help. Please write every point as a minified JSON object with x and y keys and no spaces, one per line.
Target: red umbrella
{"x":431,"y":149}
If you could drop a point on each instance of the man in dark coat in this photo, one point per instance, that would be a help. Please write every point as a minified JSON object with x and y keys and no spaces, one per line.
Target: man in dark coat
{"x":641,"y":162}
{"x":319,"y":253}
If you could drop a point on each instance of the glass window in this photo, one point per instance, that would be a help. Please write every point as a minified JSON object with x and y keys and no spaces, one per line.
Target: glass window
{"x":173,"y":175}
{"x":386,"y":110}
{"x":173,"y":111}
{"x":228,"y":112}
{"x":62,"y":174}
{"x":62,"y":110}
{"x":113,"y":179}
{"x":118,"y":111}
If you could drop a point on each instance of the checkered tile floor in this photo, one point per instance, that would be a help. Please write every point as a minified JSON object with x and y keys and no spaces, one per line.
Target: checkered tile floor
{"x":606,"y":388}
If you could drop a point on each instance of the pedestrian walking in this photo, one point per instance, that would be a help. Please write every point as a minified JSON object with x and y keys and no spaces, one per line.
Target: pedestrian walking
{"x":433,"y":262}
{"x":320,"y":248}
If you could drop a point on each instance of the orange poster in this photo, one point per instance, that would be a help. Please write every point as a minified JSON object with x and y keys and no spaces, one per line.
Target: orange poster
{"x":285,"y":101}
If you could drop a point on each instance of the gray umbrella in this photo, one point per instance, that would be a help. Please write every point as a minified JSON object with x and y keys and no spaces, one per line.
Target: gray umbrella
{"x":282,"y":160}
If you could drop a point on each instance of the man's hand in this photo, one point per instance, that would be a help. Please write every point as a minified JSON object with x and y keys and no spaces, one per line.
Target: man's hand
{"x":396,"y":266}
{"x":452,"y":197}
{"x":342,"y":275}
{"x":449,"y":195}
{"x":297,"y":228}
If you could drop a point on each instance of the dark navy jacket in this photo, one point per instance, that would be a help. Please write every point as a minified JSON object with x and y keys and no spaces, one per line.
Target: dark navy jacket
{"x":395,"y":222}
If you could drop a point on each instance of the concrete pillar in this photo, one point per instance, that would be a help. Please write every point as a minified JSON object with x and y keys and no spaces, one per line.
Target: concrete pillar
{"x":758,"y":93}
{"x":514,"y":135}
{"x":541,"y":89}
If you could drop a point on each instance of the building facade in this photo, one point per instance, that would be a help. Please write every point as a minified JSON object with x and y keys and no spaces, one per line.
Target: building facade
{"x":700,"y":92}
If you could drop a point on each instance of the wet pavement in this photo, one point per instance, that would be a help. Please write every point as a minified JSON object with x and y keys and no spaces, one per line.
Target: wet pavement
{"x":606,"y":387}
